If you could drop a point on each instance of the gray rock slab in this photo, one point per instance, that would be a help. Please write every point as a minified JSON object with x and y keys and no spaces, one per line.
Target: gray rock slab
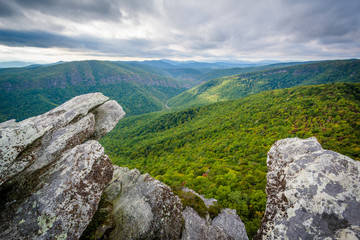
{"x":312,"y":193}
{"x":196,"y":228}
{"x":142,"y":208}
{"x":52,"y":174}
{"x":15,"y":138}
{"x":231,"y":224}
{"x":107,"y":116}
{"x":63,"y":201}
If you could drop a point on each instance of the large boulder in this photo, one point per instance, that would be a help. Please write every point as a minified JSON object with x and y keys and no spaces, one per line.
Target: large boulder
{"x":136,"y":206}
{"x":312,"y":193}
{"x":52,"y":171}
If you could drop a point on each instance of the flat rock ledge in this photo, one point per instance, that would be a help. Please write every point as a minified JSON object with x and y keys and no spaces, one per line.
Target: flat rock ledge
{"x":52,"y":169}
{"x":312,"y":193}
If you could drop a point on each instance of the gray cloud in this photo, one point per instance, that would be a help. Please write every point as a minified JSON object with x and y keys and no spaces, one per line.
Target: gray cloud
{"x":6,"y":10}
{"x":210,"y":29}
{"x":45,"y":40}
{"x":70,"y":9}
{"x":310,"y":20}
{"x":84,"y":10}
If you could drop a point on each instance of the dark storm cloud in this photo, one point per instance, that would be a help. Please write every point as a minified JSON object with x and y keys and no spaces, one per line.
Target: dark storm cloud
{"x":47,"y":40}
{"x":71,"y":9}
{"x":81,"y":10}
{"x":183,"y":28}
{"x":6,"y":10}
{"x":43,"y":40}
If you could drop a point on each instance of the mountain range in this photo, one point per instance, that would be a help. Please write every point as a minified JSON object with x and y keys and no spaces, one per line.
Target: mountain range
{"x":15,"y":64}
{"x":236,"y":86}
{"x":193,"y":73}
{"x":206,"y":126}
{"x":148,"y":86}
{"x":30,"y":91}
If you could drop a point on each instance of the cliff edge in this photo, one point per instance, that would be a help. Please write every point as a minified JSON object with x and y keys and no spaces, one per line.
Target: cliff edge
{"x":52,"y":169}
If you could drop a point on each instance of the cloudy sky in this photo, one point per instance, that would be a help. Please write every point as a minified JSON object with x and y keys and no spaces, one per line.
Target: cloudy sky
{"x":54,"y":30}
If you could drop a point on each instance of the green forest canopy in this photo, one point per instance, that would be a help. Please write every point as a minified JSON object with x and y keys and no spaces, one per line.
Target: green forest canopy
{"x":219,"y":150}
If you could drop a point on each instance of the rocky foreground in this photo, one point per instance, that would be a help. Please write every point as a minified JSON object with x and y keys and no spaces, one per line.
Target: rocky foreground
{"x":53,"y":171}
{"x":57,"y":183}
{"x":312,"y":193}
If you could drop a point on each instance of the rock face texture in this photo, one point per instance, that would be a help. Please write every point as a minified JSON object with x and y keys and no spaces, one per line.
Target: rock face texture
{"x":230,"y":223}
{"x":227,"y":225}
{"x":138,"y":207}
{"x":312,"y":193}
{"x":198,"y":228}
{"x":52,"y":171}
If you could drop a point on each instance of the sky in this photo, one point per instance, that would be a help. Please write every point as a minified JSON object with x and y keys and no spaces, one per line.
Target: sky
{"x":203,"y":30}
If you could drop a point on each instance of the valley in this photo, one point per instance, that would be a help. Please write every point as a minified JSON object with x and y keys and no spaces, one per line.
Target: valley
{"x":212,"y":138}
{"x":31,"y":91}
{"x":219,"y":150}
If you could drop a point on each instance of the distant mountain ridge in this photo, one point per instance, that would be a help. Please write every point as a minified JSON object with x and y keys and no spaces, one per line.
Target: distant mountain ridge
{"x":143,"y":88}
{"x":30,"y":91}
{"x":233,"y":87}
{"x":82,"y":72}
{"x":193,"y":73}
{"x":217,"y":73}
{"x":166,"y":63}
{"x":13,"y":64}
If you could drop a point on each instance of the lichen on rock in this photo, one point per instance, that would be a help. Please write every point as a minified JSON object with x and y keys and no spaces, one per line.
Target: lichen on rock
{"x":141,"y":208}
{"x":226,"y":225}
{"x":312,"y":193}
{"x":52,"y":173}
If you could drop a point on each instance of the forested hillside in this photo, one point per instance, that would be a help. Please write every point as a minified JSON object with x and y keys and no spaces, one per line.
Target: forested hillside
{"x":234,"y":87}
{"x":219,"y":150}
{"x":26,"y":92}
{"x":218,"y":73}
{"x":194,"y":73}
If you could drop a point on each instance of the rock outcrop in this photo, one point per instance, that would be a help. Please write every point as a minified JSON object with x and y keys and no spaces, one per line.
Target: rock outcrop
{"x":227,"y":225}
{"x":52,"y":171}
{"x":198,"y":228}
{"x":137,"y":206}
{"x":312,"y":193}
{"x":230,"y":223}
